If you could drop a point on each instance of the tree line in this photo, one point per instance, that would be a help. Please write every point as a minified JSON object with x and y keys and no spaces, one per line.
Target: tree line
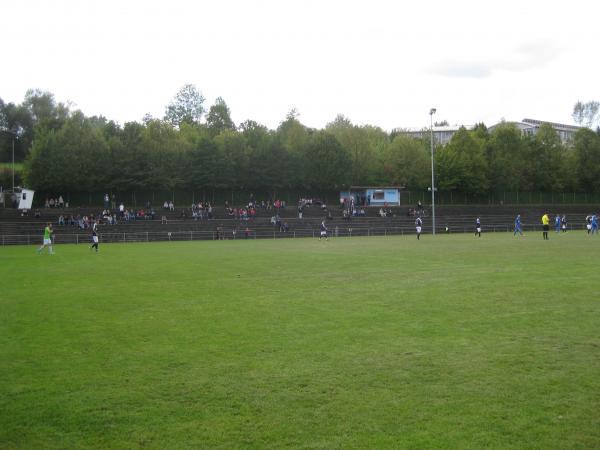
{"x":192,"y":148}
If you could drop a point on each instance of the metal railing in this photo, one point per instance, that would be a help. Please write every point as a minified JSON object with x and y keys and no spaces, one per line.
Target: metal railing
{"x":165,"y":236}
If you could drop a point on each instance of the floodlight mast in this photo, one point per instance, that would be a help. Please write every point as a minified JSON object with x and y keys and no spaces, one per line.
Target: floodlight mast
{"x":432,"y":111}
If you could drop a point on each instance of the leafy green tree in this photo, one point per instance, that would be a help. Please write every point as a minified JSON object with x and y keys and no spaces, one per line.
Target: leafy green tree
{"x":186,"y":107}
{"x":544,"y":165}
{"x":360,"y":144}
{"x":232,"y":163}
{"x":406,"y":162}
{"x":328,"y":165}
{"x":74,"y":158}
{"x":164,"y":149}
{"x":587,"y":154}
{"x":462,"y":164}
{"x":219,"y":117}
{"x":504,"y":152}
{"x":268,"y":162}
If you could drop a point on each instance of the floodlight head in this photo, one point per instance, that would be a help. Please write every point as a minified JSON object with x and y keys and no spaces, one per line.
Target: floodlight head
{"x":432,"y":111}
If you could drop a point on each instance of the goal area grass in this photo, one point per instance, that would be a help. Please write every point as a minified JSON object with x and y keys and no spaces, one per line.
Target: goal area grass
{"x":452,"y":341}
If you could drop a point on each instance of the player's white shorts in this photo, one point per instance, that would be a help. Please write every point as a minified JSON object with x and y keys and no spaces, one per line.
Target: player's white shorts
{"x":479,"y":229}
{"x":589,"y":227}
{"x":323,"y":233}
{"x":47,"y":241}
{"x":418,"y":229}
{"x":95,"y":239}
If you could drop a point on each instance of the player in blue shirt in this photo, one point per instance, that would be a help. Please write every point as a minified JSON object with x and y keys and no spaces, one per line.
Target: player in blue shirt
{"x":557,"y":223}
{"x":518,"y":228}
{"x":594,"y":224}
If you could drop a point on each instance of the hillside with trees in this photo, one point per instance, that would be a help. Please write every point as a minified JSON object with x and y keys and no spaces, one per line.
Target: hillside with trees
{"x":195,"y":147}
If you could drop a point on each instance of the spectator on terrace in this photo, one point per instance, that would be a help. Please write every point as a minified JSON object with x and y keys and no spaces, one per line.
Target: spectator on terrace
{"x":171,"y":206}
{"x":61,"y":202}
{"x":273,"y":220}
{"x":183,"y":215}
{"x":113,"y":202}
{"x":163,"y":220}
{"x":210,"y":213}
{"x":47,"y":203}
{"x":37,"y":214}
{"x":166,"y":205}
{"x":52,"y":203}
{"x":106,"y":201}
{"x":300,"y":211}
{"x":121,"y":209}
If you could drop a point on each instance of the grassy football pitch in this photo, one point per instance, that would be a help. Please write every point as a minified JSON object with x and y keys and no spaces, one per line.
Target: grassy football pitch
{"x":452,"y":342}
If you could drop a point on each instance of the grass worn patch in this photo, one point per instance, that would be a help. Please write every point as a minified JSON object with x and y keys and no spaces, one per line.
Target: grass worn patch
{"x":452,"y":342}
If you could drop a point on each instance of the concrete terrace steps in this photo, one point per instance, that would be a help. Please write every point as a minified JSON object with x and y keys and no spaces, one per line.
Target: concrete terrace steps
{"x":16,"y":229}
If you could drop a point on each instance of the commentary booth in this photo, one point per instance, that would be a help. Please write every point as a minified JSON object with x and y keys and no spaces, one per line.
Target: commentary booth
{"x":19,"y":198}
{"x":372,"y":195}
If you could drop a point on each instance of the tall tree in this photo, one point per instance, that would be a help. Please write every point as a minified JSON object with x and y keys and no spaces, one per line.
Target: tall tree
{"x":544,"y":161}
{"x":586,"y":114}
{"x":406,"y":163}
{"x":218,"y":118}
{"x":587,"y":151}
{"x":468,"y":166}
{"x":504,"y":152}
{"x":328,"y":165}
{"x":186,"y":107}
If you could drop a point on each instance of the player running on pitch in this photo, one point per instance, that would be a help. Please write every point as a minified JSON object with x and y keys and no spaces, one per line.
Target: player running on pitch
{"x":478,"y":227}
{"x":48,"y":236}
{"x":418,"y":226}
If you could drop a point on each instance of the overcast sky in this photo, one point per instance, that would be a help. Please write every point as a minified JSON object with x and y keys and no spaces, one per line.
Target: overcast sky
{"x":377,"y":62}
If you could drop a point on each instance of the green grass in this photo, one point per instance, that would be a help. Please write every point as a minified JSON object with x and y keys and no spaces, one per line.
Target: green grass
{"x":452,"y":342}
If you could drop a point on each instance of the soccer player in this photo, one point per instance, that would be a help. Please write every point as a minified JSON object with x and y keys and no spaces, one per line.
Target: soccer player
{"x":518,"y":228}
{"x":418,"y":226}
{"x":557,"y":223}
{"x":594,"y":224}
{"x":563,"y":223}
{"x":94,"y":238}
{"x":588,"y":224}
{"x":48,"y":234}
{"x":478,"y":227}
{"x":545,"y":226}
{"x":323,"y":231}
